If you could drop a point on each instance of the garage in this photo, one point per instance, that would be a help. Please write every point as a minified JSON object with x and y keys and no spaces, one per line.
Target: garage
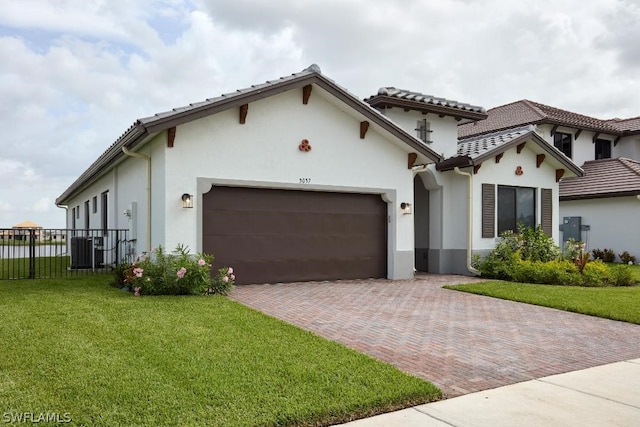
{"x":274,"y":235}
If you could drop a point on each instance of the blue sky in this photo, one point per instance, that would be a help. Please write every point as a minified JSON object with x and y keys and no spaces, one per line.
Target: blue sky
{"x":75,"y":75}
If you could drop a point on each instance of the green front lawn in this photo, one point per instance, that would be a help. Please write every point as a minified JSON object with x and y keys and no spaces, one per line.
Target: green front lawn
{"x":45,"y":266}
{"x":76,"y":346}
{"x":618,"y":303}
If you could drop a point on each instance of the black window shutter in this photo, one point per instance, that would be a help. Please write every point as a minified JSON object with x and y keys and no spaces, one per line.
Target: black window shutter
{"x":488,"y":210}
{"x":547,"y":211}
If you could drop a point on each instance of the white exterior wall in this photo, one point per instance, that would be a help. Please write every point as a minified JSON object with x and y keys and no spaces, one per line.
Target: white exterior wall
{"x":583,"y":148}
{"x":104,"y":183}
{"x":613,"y":222}
{"x":132,"y":194}
{"x":445,"y":129}
{"x":628,"y":147}
{"x":126,"y":185}
{"x":264,"y":152}
{"x":455,"y":190}
{"x":503,"y":173}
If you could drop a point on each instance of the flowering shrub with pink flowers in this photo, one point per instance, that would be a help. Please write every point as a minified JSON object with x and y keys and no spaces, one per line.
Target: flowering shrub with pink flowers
{"x":176,"y":273}
{"x":223,"y":282}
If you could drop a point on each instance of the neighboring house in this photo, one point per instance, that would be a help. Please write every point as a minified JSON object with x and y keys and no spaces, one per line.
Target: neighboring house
{"x":579,"y":137}
{"x":599,"y":207}
{"x":604,"y":206}
{"x":297,"y":179}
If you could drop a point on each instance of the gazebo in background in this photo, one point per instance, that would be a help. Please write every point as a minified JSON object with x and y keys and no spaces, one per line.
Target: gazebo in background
{"x":21,"y":230}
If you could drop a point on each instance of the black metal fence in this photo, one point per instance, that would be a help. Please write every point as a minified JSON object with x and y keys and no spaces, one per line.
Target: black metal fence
{"x":34,"y":253}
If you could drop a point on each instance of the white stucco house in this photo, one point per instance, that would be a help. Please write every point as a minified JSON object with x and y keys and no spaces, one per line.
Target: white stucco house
{"x":297,"y":179}
{"x":602,"y":207}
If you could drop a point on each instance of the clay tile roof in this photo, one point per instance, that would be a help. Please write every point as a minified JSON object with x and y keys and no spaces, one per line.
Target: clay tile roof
{"x":477,"y":146}
{"x":313,"y":68}
{"x":428,"y":99}
{"x":475,"y":150}
{"x":391,"y":96}
{"x":629,"y":125}
{"x":143,"y":128}
{"x":603,"y":178}
{"x":528,"y":112}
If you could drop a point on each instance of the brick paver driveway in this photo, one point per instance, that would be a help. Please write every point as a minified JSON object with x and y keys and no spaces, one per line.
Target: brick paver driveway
{"x":461,"y":342}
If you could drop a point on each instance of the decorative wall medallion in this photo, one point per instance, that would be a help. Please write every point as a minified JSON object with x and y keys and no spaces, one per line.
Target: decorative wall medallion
{"x":304,"y":145}
{"x":519,"y":170}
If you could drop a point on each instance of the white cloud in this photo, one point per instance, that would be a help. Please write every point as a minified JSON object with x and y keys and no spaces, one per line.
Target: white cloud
{"x":43,"y":204}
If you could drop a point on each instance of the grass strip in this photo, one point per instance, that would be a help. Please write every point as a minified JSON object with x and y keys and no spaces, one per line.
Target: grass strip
{"x":617,"y":303}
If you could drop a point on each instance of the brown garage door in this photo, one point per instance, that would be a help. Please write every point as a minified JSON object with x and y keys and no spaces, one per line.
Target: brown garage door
{"x":271,"y":236}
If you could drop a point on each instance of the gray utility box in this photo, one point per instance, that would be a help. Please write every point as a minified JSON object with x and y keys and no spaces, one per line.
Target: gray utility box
{"x":571,"y":228}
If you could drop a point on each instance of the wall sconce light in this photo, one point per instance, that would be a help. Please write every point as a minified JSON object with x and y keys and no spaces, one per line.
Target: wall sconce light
{"x":406,"y":208}
{"x":187,"y":200}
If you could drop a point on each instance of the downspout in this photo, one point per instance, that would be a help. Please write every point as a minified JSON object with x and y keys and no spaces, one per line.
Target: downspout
{"x":470,"y":216}
{"x":66,"y":214}
{"x":148,"y":160}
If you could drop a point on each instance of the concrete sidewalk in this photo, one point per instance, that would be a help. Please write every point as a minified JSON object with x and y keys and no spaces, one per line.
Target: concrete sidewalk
{"x":607,"y":395}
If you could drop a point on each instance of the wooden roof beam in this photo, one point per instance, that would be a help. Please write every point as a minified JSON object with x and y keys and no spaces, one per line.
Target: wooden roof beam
{"x":554,"y":129}
{"x":306,"y":93}
{"x":520,"y":147}
{"x":171,"y":136}
{"x":539,"y":160}
{"x":412,"y":159}
{"x":559,"y":174}
{"x":615,"y":142}
{"x":577,"y":134}
{"x":364,"y":127}
{"x":499,"y":157}
{"x":244,"y":109}
{"x":595,"y":137}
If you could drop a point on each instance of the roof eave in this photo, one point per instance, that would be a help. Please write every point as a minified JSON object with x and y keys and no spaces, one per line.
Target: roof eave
{"x":530,"y":136}
{"x":379,"y":101}
{"x":162,"y":123}
{"x":500,"y":129}
{"x":595,"y":129}
{"x":151,"y":125}
{"x":454,"y":162}
{"x":599,"y":195}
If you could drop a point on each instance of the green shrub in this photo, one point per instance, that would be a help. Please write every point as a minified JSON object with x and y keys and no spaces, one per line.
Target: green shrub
{"x":223,"y":282}
{"x":606,"y":255}
{"x":177,"y":273}
{"x":621,"y":275}
{"x":535,"y":245}
{"x":530,"y":256}
{"x":557,"y":272}
{"x":120,"y":275}
{"x":497,"y":265}
{"x":561,"y":272}
{"x":596,"y":273}
{"x":528,"y":244}
{"x":626,"y":258}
